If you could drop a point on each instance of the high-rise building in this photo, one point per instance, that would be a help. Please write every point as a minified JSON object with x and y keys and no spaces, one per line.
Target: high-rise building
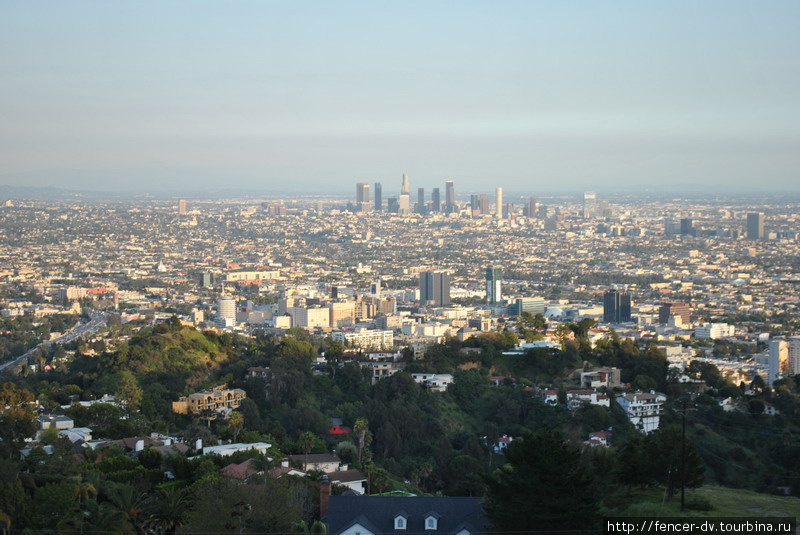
{"x":508,"y":210}
{"x":616,"y":307}
{"x":182,"y":206}
{"x":794,"y":356}
{"x":450,"y":197}
{"x":687,"y":226}
{"x":436,"y":201}
{"x":474,"y":204}
{"x":532,"y":208}
{"x":421,"y":208}
{"x":392,"y":205}
{"x":404,"y":204}
{"x":226,"y":312}
{"x":206,"y":279}
{"x":681,"y":310}
{"x":499,"y":207}
{"x":778,"y":354}
{"x":494,"y":291}
{"x":589,"y":205}
{"x":755,"y":226}
{"x":378,"y":197}
{"x":405,"y":187}
{"x":484,"y":199}
{"x":434,"y":288}
{"x":362,"y":192}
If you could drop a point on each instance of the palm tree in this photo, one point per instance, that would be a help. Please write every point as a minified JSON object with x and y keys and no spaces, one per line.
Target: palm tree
{"x":306,"y":443}
{"x":169,"y":512}
{"x":128,"y":500}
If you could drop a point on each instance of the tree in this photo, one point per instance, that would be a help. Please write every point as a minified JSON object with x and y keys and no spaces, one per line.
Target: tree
{"x":543,"y":484}
{"x":129,"y":392}
{"x":364,"y":437}
{"x":169,"y":512}
{"x":235,"y":424}
{"x":306,"y":443}
{"x":17,"y":418}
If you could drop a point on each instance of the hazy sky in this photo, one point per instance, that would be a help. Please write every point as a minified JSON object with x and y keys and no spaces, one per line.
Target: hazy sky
{"x":306,"y":96}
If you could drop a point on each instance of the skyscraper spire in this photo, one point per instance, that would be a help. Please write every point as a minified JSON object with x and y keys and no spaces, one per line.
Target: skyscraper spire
{"x":405,"y":188}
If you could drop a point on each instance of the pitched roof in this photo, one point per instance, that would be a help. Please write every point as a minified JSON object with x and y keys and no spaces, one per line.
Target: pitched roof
{"x":454,"y":513}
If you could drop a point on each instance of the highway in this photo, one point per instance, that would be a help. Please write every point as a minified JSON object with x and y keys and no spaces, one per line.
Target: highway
{"x":97,"y":320}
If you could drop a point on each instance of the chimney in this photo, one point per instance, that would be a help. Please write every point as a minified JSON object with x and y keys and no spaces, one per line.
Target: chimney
{"x":198,"y":444}
{"x":324,"y":496}
{"x":139,"y":445}
{"x":284,"y":464}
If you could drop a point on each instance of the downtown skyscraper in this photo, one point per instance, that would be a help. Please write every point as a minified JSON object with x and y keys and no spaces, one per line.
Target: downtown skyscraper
{"x":434,"y":288}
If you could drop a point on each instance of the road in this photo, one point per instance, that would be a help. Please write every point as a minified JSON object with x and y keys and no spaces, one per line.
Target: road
{"x":97,"y":320}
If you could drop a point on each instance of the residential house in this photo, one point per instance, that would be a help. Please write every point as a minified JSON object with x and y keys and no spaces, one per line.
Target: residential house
{"x":601,"y":377}
{"x":324,"y":462}
{"x":434,"y":382}
{"x":576,"y":398}
{"x":643,"y":409}
{"x":379,"y":515}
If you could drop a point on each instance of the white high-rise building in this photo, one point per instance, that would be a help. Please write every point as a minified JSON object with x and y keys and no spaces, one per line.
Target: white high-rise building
{"x":499,"y":208}
{"x":226,"y":312}
{"x":778,"y":353}
{"x":405,"y":188}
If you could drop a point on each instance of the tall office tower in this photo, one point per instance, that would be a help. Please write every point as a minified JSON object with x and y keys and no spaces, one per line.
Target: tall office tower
{"x":226,"y":311}
{"x":393,"y":206}
{"x":532,"y":208}
{"x":362,"y":197}
{"x":508,"y":211}
{"x":474,"y":204}
{"x":450,"y":197}
{"x":681,"y":310}
{"x":498,"y":211}
{"x":206,"y":279}
{"x":543,"y":211}
{"x":362,"y":192}
{"x":484,"y":204}
{"x":494,"y":290}
{"x":616,"y":307}
{"x":778,"y":354}
{"x":434,"y":288}
{"x":794,"y":356}
{"x":404,"y":204}
{"x":378,"y":197}
{"x":436,"y":202}
{"x":687,"y":226}
{"x":375,"y":288}
{"x":589,"y":204}
{"x":404,"y":187}
{"x":421,"y":201}
{"x":755,"y":226}
{"x":182,"y":206}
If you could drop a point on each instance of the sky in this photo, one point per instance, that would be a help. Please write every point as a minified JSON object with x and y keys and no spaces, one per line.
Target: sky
{"x":307,"y":96}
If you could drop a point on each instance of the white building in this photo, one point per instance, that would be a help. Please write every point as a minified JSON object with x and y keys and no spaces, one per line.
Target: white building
{"x":226,"y":312}
{"x":366,"y":339}
{"x":778,"y":354}
{"x":229,"y":449}
{"x":714,"y":331}
{"x":309,"y":317}
{"x":435,"y":382}
{"x":643,"y":409}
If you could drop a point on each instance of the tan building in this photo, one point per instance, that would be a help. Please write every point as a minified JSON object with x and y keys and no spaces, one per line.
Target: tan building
{"x":342,"y":314}
{"x":209,"y":400}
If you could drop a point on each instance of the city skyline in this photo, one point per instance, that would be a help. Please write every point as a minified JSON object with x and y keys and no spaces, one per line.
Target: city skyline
{"x":538,"y":97}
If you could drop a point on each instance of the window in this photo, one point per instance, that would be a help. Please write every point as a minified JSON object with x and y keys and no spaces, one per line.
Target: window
{"x":430,"y":523}
{"x":399,"y":522}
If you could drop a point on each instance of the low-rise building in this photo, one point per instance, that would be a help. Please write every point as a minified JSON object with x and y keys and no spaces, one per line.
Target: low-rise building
{"x":209,"y":400}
